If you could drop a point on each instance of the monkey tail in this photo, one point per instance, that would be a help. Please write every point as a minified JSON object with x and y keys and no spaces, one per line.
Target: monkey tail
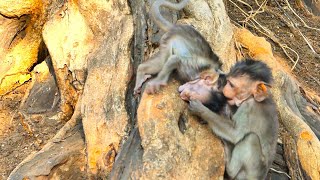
{"x":158,"y":18}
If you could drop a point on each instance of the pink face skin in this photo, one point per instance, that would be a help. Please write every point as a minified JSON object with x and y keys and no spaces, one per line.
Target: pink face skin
{"x":237,"y":89}
{"x":199,"y":89}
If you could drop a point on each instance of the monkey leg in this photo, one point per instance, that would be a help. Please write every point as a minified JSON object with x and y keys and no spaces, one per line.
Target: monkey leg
{"x":163,"y":76}
{"x":146,"y":69}
{"x":247,"y":160}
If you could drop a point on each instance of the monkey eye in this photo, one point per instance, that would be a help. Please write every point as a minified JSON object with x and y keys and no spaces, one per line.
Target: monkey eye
{"x":231,"y":85}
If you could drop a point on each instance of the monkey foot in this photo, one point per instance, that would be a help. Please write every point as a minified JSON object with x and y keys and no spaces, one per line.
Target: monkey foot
{"x":137,"y":88}
{"x":154,"y":86}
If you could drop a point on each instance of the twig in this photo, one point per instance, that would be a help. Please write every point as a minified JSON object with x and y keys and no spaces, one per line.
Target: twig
{"x":262,"y":6}
{"x":252,"y":15}
{"x":243,"y":12}
{"x":282,"y":46}
{"x":246,"y":4}
{"x":239,"y":48}
{"x":304,"y":24}
{"x":12,"y":117}
{"x":26,"y":126}
{"x":270,"y":35}
{"x":280,"y":172}
{"x":293,"y":25}
{"x":307,"y":41}
{"x":297,"y":60}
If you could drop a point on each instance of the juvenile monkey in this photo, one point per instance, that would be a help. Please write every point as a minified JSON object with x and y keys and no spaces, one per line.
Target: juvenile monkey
{"x":250,"y":134}
{"x":207,"y":89}
{"x":182,"y":48}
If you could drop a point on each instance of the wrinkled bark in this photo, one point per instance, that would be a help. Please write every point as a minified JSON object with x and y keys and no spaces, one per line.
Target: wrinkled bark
{"x":175,"y":144}
{"x":95,"y":47}
{"x":20,"y":41}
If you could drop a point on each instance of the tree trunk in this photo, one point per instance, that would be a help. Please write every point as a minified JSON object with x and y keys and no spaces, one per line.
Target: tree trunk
{"x":95,"y":47}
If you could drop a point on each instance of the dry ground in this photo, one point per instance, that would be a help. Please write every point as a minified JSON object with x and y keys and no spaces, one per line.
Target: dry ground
{"x":20,"y":136}
{"x":284,"y":26}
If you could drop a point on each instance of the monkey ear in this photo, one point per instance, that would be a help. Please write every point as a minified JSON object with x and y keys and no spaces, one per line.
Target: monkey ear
{"x":261,"y":91}
{"x":210,"y":76}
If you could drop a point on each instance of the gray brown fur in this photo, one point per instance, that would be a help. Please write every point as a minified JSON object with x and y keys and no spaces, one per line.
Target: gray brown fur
{"x":182,"y":49}
{"x":250,"y":131}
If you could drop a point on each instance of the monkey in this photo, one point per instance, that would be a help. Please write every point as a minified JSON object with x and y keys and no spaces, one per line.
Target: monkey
{"x":182,"y":49}
{"x":207,"y":89}
{"x":249,"y":133}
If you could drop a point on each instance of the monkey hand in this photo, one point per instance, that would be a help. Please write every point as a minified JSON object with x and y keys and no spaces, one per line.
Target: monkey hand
{"x":136,"y":91}
{"x":137,"y":88}
{"x":196,"y":107}
{"x":154,"y":86}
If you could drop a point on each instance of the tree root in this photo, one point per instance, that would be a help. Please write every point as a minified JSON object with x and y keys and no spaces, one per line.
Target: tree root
{"x":69,"y":137}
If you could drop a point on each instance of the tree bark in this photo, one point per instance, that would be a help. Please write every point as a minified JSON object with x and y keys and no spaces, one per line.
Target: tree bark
{"x":95,"y":47}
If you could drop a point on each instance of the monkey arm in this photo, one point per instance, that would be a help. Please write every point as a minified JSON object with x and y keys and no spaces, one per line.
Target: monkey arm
{"x":221,"y":126}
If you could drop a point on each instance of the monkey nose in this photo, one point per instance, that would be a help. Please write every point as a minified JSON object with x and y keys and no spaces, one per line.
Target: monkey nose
{"x":180,"y":89}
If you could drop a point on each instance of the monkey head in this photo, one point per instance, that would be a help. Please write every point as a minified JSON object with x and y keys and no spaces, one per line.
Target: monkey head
{"x":247,"y":78}
{"x":207,"y":89}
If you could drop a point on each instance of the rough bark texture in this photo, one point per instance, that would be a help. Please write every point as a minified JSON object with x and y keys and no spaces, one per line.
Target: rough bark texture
{"x":176,"y":145}
{"x":95,"y":50}
{"x":104,"y":115}
{"x":25,"y":34}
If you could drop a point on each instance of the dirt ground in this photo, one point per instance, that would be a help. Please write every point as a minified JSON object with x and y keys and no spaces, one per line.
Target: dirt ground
{"x":20,"y":135}
{"x":284,"y":30}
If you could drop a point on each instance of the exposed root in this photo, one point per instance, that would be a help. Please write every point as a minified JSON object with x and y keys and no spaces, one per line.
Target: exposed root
{"x":291,"y":157}
{"x":39,"y":161}
{"x":74,"y":120}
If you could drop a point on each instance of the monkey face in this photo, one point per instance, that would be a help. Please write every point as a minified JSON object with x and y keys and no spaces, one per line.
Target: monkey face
{"x":237,"y":89}
{"x":198,"y":89}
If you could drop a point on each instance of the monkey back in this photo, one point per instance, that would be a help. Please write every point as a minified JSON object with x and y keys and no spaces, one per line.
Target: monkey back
{"x":193,"y":50}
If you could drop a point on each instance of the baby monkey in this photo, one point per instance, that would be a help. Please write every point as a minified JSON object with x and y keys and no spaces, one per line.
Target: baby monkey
{"x":208,"y":90}
{"x":250,"y":133}
{"x":182,"y":48}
